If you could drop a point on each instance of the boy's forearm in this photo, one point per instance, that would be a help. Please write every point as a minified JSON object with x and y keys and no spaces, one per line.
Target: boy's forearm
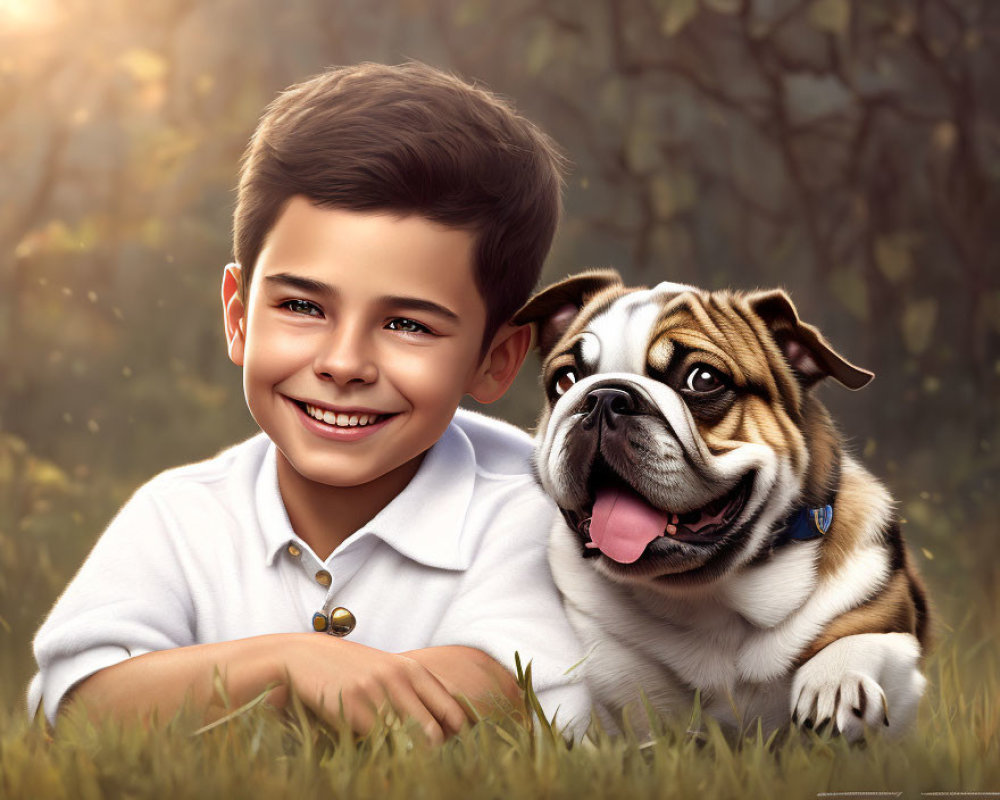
{"x":163,"y":681}
{"x":335,"y":678}
{"x":471,"y":675}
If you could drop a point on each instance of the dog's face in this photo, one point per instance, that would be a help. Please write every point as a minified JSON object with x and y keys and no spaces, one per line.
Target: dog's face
{"x":679,"y":429}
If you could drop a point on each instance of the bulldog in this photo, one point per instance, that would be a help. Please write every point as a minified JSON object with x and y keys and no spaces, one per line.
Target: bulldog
{"x":715,"y":535}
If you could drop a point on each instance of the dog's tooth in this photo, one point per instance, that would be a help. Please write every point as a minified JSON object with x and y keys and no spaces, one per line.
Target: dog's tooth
{"x":672,"y":528}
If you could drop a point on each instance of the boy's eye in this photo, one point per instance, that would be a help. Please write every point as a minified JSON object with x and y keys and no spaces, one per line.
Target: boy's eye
{"x":302,"y":307}
{"x":405,"y":325}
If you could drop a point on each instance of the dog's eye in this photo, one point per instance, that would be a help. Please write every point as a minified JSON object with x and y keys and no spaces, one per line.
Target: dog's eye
{"x":564,"y":380}
{"x":704,"y":379}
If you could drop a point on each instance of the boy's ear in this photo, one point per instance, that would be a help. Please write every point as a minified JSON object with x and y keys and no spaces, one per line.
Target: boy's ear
{"x":233,"y":313}
{"x":501,"y":363}
{"x":554,"y":308}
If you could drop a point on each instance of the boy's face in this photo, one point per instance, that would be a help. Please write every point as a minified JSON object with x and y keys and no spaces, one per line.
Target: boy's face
{"x":361,"y":334}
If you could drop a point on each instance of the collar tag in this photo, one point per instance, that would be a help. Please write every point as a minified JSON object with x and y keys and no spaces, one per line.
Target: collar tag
{"x":808,"y":523}
{"x":822,"y":518}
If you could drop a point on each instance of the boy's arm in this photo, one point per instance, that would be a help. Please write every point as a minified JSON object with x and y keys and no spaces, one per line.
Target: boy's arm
{"x":322,"y":671}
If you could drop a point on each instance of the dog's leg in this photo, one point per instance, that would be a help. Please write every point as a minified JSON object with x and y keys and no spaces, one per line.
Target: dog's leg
{"x":861,"y":681}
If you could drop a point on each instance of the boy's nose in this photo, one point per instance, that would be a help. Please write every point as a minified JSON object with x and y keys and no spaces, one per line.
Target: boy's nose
{"x":345,"y":357}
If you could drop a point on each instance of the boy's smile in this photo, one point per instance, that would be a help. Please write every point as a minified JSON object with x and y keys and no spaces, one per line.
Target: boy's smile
{"x":360,"y":336}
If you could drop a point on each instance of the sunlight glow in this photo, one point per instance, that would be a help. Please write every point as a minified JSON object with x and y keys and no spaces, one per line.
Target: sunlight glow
{"x":24,"y":13}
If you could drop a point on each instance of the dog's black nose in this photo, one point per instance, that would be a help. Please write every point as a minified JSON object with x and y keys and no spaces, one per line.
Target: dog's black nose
{"x":608,"y":402}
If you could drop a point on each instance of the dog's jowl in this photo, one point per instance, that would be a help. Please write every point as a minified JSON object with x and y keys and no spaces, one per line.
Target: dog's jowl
{"x":715,"y":534}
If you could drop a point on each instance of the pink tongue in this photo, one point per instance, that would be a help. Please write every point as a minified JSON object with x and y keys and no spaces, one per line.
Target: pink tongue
{"x":624,"y":523}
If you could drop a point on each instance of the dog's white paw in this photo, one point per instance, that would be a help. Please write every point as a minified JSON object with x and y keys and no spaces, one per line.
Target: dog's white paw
{"x":870,"y":680}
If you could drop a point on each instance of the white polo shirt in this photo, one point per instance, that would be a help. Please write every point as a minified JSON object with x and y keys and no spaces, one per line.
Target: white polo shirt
{"x":205,"y":553}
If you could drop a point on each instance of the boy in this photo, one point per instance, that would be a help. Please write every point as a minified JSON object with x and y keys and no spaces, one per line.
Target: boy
{"x":389,"y":222}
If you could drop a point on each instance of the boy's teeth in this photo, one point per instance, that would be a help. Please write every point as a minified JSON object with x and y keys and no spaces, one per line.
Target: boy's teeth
{"x":340,"y":420}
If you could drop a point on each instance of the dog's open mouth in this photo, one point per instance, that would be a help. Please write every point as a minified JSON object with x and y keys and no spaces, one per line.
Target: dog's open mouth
{"x":622,"y":523}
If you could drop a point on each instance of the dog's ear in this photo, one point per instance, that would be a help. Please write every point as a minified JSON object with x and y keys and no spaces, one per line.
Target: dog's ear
{"x":556,"y":306}
{"x":810,"y":356}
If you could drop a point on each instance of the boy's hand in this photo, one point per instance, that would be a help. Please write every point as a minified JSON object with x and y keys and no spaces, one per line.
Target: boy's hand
{"x":471,"y":677}
{"x":333,"y":675}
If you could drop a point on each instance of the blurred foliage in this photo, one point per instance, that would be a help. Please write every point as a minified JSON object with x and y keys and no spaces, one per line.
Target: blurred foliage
{"x":846,"y":149}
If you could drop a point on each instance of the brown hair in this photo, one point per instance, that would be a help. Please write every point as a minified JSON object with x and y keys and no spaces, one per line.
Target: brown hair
{"x":413,"y":140}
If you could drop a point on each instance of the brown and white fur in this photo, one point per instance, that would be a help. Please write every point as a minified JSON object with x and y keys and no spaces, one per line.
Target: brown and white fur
{"x":826,"y":631}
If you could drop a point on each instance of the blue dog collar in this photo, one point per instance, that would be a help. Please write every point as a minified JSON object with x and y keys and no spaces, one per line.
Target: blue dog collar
{"x":805,"y":524}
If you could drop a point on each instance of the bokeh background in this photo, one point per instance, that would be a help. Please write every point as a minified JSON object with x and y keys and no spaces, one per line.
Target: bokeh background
{"x":848,"y":150}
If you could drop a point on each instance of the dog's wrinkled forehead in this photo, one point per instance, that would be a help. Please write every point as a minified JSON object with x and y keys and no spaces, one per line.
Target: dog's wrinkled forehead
{"x":594,"y":323}
{"x":664,"y":332}
{"x":617,"y":338}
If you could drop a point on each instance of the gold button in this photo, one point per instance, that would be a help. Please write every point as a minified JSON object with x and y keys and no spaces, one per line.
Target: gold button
{"x":294,"y":551}
{"x":342,"y":621}
{"x":324,"y":578}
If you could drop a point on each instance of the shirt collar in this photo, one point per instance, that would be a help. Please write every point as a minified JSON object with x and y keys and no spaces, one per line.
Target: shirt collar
{"x":274,"y":522}
{"x":425,"y":522}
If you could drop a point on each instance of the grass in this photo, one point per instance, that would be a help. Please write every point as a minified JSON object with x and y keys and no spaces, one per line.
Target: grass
{"x":259,"y":754}
{"x":954,"y":747}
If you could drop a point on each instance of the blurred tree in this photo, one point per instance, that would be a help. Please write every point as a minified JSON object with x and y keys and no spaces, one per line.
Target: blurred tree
{"x":846,"y":149}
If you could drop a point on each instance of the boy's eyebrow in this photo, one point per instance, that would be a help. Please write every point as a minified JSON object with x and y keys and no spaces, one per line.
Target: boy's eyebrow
{"x":418,"y":304}
{"x":300,"y":283}
{"x":396,"y":301}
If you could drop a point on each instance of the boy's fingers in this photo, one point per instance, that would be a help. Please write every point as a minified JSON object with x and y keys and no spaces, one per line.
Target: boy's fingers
{"x":356,"y":709}
{"x":361,"y":718}
{"x":389,"y":688}
{"x":429,"y":696}
{"x":446,"y":709}
{"x":406,"y":704}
